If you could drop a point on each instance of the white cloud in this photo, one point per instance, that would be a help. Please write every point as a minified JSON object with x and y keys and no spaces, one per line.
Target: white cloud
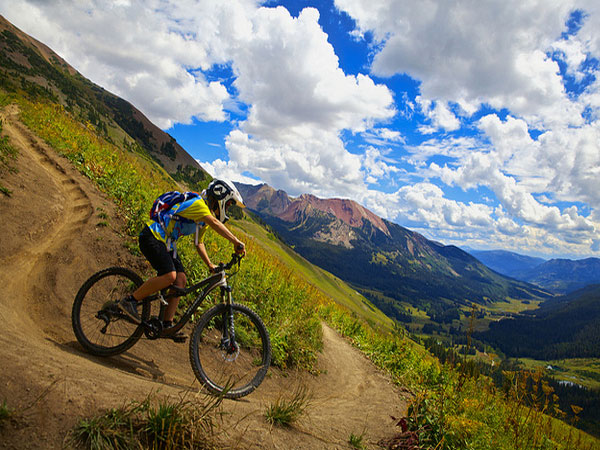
{"x":566,"y":170}
{"x":573,"y":55}
{"x":376,"y":167}
{"x":317,"y":164}
{"x":383,"y":137}
{"x":473,"y":52}
{"x":439,"y":114}
{"x":562,"y":161}
{"x":300,"y":102}
{"x":588,"y":34}
{"x":228,"y":170}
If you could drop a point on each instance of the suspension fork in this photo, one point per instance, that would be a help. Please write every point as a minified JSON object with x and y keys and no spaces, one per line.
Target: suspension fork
{"x":228,"y":324}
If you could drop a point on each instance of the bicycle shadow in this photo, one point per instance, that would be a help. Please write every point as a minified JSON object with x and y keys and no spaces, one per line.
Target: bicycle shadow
{"x":126,"y":362}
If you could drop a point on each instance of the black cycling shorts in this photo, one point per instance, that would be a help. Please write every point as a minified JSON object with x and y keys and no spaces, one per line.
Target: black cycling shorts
{"x":157,"y":254}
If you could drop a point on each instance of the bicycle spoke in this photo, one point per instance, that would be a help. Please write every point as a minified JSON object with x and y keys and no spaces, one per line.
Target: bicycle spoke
{"x":236,"y":367}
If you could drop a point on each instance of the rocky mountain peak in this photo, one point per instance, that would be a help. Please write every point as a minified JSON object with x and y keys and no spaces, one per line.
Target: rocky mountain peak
{"x":264,"y":198}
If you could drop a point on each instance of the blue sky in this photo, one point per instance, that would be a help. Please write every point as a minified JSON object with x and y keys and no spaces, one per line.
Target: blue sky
{"x":473,"y":123}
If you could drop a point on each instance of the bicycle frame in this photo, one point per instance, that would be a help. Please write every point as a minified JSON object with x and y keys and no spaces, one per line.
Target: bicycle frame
{"x":211,"y":283}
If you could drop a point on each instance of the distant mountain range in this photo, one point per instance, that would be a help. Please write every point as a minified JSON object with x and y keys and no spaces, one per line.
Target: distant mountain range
{"x":563,"y":327}
{"x":563,"y":276}
{"x":560,"y":276}
{"x":31,"y":67}
{"x":388,"y":263}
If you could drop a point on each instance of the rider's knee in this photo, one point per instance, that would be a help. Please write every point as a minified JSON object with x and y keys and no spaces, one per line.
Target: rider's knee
{"x":180,"y":280}
{"x":169,"y":278}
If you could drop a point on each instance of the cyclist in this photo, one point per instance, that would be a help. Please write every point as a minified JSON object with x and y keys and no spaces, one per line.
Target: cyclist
{"x":157,"y":242}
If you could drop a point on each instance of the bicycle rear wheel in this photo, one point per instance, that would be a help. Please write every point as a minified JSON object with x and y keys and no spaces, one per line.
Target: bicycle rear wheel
{"x":100,"y":327}
{"x":226,"y":363}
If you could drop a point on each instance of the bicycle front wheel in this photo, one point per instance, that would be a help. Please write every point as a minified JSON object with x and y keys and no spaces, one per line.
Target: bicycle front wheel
{"x":100,"y":327}
{"x":230,"y":358}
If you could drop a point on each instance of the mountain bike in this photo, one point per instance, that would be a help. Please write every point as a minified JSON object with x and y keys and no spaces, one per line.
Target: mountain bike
{"x":229,"y":349}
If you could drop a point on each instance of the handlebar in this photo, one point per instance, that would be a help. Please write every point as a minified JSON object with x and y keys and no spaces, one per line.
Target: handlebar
{"x":236,"y":258}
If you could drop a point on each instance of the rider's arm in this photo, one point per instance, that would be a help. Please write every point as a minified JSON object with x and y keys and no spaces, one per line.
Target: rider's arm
{"x":201,"y":249}
{"x":221,"y":229}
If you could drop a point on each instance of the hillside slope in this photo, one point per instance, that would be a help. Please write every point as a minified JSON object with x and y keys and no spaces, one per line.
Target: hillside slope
{"x":53,"y":240}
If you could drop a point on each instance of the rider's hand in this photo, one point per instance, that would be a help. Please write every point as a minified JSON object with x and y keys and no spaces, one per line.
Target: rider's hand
{"x":212,"y":268}
{"x":240,"y":249}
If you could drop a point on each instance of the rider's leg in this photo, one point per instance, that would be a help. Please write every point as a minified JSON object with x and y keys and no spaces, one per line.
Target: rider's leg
{"x":161,"y":259}
{"x":155,"y":284}
{"x":180,"y":281}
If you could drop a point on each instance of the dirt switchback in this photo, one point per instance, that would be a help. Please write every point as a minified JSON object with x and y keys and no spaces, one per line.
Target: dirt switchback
{"x":52,"y":240}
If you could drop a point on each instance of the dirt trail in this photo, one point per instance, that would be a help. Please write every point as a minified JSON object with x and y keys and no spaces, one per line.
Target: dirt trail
{"x":52,"y":239}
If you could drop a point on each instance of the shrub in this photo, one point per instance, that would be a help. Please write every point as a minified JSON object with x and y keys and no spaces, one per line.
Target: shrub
{"x":285,"y":411}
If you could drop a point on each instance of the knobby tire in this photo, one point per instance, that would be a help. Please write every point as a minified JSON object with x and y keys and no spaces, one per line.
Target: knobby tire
{"x":102,"y":288}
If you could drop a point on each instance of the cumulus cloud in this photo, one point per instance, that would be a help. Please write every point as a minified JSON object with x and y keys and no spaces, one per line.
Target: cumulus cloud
{"x":300,"y":102}
{"x":520,"y":167}
{"x":227,"y":170}
{"x":377,"y":165}
{"x":473,"y":52}
{"x":439,"y":115}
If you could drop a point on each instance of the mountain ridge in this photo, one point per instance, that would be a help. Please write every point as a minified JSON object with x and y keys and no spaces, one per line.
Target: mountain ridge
{"x":557,"y":275}
{"x":563,"y":276}
{"x":507,"y":263}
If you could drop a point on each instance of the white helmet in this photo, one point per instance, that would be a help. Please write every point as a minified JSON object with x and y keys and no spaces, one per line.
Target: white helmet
{"x":221,"y":194}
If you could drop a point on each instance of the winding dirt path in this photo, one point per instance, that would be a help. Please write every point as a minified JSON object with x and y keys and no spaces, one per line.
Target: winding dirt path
{"x":52,"y":239}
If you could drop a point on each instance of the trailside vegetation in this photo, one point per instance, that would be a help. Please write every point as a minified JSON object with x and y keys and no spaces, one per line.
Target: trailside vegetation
{"x":8,"y":154}
{"x":454,"y":406}
{"x":152,"y":423}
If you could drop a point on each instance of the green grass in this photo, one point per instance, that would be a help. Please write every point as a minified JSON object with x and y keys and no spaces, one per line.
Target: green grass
{"x":356,"y":441}
{"x":6,"y":412}
{"x":512,"y":305}
{"x":501,"y":310}
{"x":486,"y":314}
{"x":152,"y":423}
{"x":327,"y":283}
{"x":285,"y":411}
